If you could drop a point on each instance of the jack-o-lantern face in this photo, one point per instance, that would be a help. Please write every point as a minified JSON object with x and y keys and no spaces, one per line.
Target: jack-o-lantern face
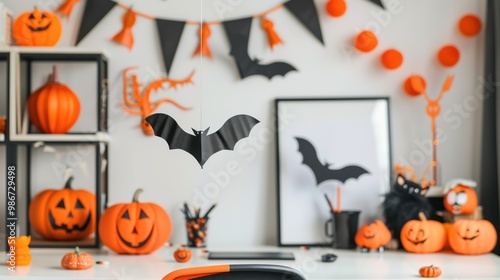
{"x":470,"y":237}
{"x":182,"y":255}
{"x":37,"y":28}
{"x":373,"y":236}
{"x":134,"y":228}
{"x":65,"y":214}
{"x":423,"y":236}
{"x":461,"y":200}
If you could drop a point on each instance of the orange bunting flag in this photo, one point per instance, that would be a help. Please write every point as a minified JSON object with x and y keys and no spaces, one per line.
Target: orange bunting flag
{"x":203,"y":47}
{"x":272,"y":36}
{"x":66,"y":7}
{"x":125,"y":36}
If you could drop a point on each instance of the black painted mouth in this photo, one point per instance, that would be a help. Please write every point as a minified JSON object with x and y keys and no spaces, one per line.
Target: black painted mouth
{"x":369,"y":237}
{"x":140,"y":243}
{"x":416,"y":242}
{"x":468,"y":238}
{"x":39,"y":29}
{"x":65,"y":226}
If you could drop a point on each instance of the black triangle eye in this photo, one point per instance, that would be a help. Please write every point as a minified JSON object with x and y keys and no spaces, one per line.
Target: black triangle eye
{"x":32,"y":16}
{"x":44,"y":16}
{"x":125,"y":215}
{"x":143,"y":215}
{"x":79,"y":204}
{"x":61,"y":204}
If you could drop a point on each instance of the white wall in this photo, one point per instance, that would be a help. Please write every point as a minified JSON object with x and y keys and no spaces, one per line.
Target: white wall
{"x":419,"y":29}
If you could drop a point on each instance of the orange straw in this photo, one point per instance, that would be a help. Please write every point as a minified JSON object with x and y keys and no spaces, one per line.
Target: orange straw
{"x":338,"y":198}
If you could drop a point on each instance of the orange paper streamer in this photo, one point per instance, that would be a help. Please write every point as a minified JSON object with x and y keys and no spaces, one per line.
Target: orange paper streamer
{"x":66,"y":7}
{"x":272,"y":36}
{"x":203,"y":47}
{"x":125,"y":36}
{"x":339,"y":194}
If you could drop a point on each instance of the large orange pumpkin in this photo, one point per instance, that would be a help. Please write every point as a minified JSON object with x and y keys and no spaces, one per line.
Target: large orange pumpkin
{"x":423,"y":236}
{"x":65,"y":214}
{"x":472,"y":237}
{"x":373,"y":236}
{"x":135,"y":228}
{"x":37,"y":28}
{"x":54,"y":108}
{"x":461,"y":200}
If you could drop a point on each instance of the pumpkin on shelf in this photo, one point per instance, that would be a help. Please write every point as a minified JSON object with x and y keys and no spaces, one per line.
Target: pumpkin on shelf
{"x":77,"y":260}
{"x":65,"y":214}
{"x":37,"y":29}
{"x":423,"y":236}
{"x":373,"y":236}
{"x":430,"y":271}
{"x":460,"y":197}
{"x":182,"y":255}
{"x":54,"y":108}
{"x":472,"y":237}
{"x":135,"y":228}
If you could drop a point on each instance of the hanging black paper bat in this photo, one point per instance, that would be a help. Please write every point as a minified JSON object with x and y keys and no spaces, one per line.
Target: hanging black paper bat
{"x":321,"y":171}
{"x":202,"y":145}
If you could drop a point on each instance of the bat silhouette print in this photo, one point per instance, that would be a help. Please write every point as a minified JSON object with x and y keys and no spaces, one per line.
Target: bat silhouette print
{"x":322,"y":171}
{"x":202,"y":145}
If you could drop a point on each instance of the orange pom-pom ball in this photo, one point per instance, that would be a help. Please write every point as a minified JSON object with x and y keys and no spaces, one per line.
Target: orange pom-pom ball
{"x":336,"y":8}
{"x":414,"y":85}
{"x":449,"y":55}
{"x":469,"y":25}
{"x":366,"y":41}
{"x":392,"y":59}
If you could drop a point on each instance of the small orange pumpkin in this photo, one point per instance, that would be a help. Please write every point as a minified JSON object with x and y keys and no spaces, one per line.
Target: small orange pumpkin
{"x":472,"y":237}
{"x":430,"y":271}
{"x":373,"y":236}
{"x":461,"y":200}
{"x":53,"y":108}
{"x":135,"y":228}
{"x":65,"y":214}
{"x":37,"y":29}
{"x":77,"y":260}
{"x":21,"y":250}
{"x":423,"y":236}
{"x":182,"y":255}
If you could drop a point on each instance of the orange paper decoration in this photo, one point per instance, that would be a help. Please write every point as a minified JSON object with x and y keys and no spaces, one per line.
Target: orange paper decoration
{"x":469,"y":25}
{"x":336,"y":8}
{"x":272,"y":37}
{"x":366,"y":41}
{"x":392,"y":59}
{"x":66,"y":7}
{"x":203,"y":47}
{"x":449,"y":55}
{"x":414,"y":85}
{"x":125,"y":36}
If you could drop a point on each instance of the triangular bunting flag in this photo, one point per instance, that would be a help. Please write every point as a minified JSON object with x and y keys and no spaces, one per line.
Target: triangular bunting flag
{"x":378,"y":3}
{"x":306,"y":13}
{"x":170,"y":33}
{"x":95,"y":11}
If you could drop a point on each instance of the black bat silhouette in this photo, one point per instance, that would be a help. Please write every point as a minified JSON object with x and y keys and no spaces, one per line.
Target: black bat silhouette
{"x":321,"y":171}
{"x":202,"y":145}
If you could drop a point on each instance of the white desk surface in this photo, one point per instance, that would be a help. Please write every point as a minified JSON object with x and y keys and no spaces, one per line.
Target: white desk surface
{"x":350,"y":264}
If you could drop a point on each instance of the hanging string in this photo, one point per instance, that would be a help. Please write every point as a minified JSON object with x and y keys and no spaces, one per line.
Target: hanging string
{"x":203,"y":47}
{"x":125,"y":36}
{"x":66,"y":7}
{"x":272,"y":37}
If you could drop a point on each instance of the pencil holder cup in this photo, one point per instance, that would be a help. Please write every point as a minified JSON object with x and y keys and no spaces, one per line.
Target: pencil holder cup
{"x":342,"y":228}
{"x":196,"y":232}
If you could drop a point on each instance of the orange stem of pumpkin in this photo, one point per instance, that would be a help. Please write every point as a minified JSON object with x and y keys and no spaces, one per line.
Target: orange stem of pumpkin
{"x":54,"y":78}
{"x":68,"y":183}
{"x":136,"y":195}
{"x":422,"y":216}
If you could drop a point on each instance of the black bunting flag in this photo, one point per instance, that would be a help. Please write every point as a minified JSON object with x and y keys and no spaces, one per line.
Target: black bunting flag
{"x":305,"y":11}
{"x":170,"y":33}
{"x":95,"y":11}
{"x":378,"y":3}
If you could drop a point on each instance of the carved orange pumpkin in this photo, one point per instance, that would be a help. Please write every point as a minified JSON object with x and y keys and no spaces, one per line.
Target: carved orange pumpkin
{"x":430,"y":271}
{"x":423,"y":236}
{"x":373,"y":236}
{"x":472,"y":237}
{"x":182,"y":255}
{"x":460,"y":200}
{"x":135,"y":228}
{"x":37,"y":28}
{"x":54,"y":108}
{"x":65,"y":214}
{"x":77,"y":260}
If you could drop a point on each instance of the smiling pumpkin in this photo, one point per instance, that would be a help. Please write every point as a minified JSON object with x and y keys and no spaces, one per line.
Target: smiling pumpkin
{"x":37,"y":28}
{"x":423,"y":236}
{"x":472,"y":237}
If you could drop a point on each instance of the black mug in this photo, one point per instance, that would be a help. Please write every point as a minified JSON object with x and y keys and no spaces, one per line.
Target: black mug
{"x":342,"y":228}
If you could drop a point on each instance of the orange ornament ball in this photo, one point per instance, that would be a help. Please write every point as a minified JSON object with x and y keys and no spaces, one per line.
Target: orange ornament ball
{"x":470,"y":25}
{"x":449,"y":55}
{"x":392,"y":59}
{"x":336,"y":8}
{"x":366,"y":41}
{"x":415,"y":85}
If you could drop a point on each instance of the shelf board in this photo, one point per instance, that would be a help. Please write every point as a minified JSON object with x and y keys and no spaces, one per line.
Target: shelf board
{"x":97,"y":137}
{"x":56,"y":50}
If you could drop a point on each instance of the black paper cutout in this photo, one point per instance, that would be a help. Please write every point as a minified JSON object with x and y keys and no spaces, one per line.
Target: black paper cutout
{"x":170,"y":33}
{"x":95,"y":11}
{"x":378,"y":3}
{"x":238,"y":32}
{"x":321,"y":171}
{"x":202,"y":145}
{"x":305,"y":11}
